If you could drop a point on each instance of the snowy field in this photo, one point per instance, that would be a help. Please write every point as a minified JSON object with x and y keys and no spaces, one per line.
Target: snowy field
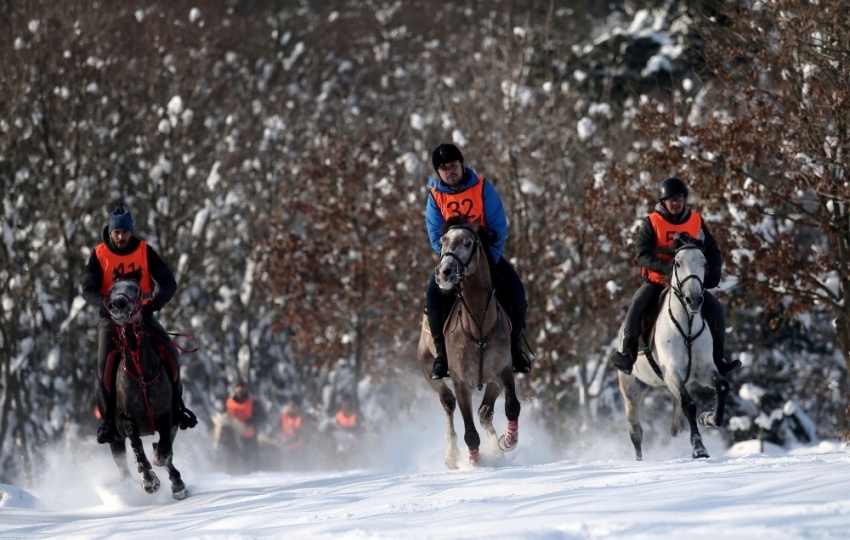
{"x":404,"y":491}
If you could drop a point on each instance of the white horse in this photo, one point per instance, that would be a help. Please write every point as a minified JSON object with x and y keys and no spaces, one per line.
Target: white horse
{"x":681,"y":352}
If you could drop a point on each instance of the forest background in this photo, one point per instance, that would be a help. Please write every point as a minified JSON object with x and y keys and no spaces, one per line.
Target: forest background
{"x":275,"y":153}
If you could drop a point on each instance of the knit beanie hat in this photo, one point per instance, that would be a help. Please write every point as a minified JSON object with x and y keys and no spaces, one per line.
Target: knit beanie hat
{"x":121,"y":219}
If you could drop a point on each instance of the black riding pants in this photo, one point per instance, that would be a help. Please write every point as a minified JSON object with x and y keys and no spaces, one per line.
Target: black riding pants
{"x":647,"y":294}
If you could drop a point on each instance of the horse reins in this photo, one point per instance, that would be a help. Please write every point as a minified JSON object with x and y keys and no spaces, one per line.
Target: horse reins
{"x":481,"y":342}
{"x":135,"y":357}
{"x":677,"y":291}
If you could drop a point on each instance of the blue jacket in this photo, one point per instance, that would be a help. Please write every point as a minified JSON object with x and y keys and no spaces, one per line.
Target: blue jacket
{"x":494,"y":212}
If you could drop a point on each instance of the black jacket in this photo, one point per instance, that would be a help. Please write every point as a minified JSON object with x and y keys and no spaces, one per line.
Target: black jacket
{"x":161,"y":274}
{"x":647,"y":242}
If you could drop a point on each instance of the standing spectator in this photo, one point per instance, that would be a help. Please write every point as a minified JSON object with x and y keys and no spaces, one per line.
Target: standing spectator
{"x":292,"y":425}
{"x":243,"y":408}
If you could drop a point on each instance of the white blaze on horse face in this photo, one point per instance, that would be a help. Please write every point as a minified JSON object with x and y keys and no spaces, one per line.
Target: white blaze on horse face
{"x":689,"y":268}
{"x":458,"y":247}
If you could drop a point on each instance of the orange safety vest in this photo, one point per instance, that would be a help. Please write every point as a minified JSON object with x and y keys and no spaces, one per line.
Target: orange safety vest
{"x":132,"y":265}
{"x":346,"y":420}
{"x":664,"y":234}
{"x":290,"y":424}
{"x":243,"y":412}
{"x":469,"y":202}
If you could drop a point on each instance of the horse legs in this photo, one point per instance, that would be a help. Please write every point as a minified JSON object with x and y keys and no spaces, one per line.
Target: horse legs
{"x":149,"y":480}
{"x":119,"y":455}
{"x":447,"y":398}
{"x":485,"y":411}
{"x":632,"y":390}
{"x":510,"y":439}
{"x":163,"y":458}
{"x":470,"y":434}
{"x":678,"y":419}
{"x":163,"y":448}
{"x":689,"y":407}
{"x":715,"y":419}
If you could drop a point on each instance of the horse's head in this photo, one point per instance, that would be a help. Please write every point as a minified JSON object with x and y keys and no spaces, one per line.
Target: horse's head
{"x":125,"y":302}
{"x":460,"y":243}
{"x":688,"y":275}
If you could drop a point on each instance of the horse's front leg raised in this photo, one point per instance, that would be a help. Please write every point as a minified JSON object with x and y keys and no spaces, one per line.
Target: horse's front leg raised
{"x":470,"y":434}
{"x":715,"y":419}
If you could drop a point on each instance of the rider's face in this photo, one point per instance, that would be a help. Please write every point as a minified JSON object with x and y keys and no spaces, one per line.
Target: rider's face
{"x":675,"y":204}
{"x":120,"y":237}
{"x":451,"y":173}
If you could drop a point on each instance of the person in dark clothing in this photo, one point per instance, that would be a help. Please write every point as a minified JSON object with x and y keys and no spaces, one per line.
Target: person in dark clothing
{"x":123,"y":255}
{"x":459,"y":190}
{"x":672,"y":216}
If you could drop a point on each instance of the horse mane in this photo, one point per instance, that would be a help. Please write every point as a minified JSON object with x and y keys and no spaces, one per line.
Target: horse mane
{"x":684,"y":240}
{"x":485,"y":235}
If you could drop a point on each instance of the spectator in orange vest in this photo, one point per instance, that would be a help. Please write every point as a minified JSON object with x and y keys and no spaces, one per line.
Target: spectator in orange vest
{"x":292,"y":425}
{"x":248,"y":412}
{"x":346,"y":417}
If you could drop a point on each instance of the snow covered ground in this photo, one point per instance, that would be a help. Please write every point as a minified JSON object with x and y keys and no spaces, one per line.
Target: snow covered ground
{"x":405,"y":491}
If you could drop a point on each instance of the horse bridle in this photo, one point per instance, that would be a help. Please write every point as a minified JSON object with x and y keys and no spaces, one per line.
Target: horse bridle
{"x":688,"y":336}
{"x":461,"y":270}
{"x":462,"y":275}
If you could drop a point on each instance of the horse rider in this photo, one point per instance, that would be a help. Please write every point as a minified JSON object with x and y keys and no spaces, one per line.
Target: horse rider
{"x":459,"y":190}
{"x":672,"y":215}
{"x":123,"y":255}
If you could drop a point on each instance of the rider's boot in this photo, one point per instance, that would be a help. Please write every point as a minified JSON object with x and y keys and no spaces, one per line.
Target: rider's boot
{"x":725,"y":367}
{"x":624,"y":360}
{"x":107,"y":432}
{"x":183,"y":417}
{"x":441,"y":363}
{"x":521,"y":362}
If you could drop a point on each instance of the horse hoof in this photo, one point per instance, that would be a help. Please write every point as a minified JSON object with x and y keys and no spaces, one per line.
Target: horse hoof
{"x":178,"y":490}
{"x":152,"y":486}
{"x":161,"y":461}
{"x":707,"y":419}
{"x":474,"y":458}
{"x":701,"y":453}
{"x":504,"y":446}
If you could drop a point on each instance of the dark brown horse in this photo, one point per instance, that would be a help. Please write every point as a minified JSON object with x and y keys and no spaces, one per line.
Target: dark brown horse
{"x":477,"y":334}
{"x":142,"y":392}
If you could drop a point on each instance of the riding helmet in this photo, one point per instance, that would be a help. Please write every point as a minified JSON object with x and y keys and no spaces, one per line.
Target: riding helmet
{"x":445,"y":153}
{"x":671,"y":187}
{"x":121,"y":219}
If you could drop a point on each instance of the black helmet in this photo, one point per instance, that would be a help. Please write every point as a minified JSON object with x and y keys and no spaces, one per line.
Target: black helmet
{"x":445,"y":153}
{"x":672,"y":187}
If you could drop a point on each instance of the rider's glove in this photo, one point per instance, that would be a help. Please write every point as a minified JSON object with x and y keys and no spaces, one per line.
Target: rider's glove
{"x":148,"y":309}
